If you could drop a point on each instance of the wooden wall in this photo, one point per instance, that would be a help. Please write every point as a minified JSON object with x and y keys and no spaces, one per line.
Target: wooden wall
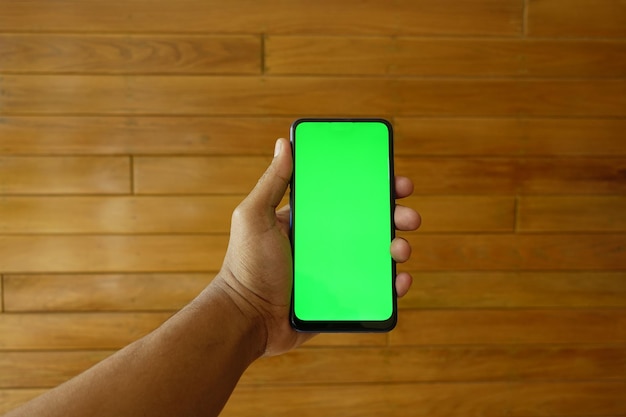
{"x":129,"y":129}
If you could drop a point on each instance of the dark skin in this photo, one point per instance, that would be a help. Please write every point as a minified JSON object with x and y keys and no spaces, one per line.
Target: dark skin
{"x":191,"y":364}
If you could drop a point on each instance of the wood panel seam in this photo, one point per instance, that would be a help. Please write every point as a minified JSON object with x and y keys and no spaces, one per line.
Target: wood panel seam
{"x":263,"y":69}
{"x":131,"y":173}
{"x":2,"y":293}
{"x":525,"y":6}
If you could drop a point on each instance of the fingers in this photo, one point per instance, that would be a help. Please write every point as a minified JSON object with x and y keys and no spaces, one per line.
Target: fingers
{"x":403,"y":187}
{"x":403,"y":283}
{"x":271,"y":187}
{"x":406,"y":218}
{"x":400,"y":250}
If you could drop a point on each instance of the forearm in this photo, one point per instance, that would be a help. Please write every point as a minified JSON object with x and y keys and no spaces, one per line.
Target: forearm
{"x":189,"y":366}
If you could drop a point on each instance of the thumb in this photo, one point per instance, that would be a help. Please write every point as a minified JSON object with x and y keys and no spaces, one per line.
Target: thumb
{"x":271,"y":187}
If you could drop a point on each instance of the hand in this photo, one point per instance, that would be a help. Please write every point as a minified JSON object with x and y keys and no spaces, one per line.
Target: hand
{"x":257,"y":269}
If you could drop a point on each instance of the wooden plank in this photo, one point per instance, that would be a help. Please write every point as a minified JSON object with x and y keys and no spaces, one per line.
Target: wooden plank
{"x":45,"y":135}
{"x":111,"y":254}
{"x":198,"y":175}
{"x":577,"y":18}
{"x":145,"y":292}
{"x":129,"y":54}
{"x":583,"y":137}
{"x":325,"y":55}
{"x":191,"y":95}
{"x":584,"y":399}
{"x":24,"y":369}
{"x":102,"y":292}
{"x":572,"y":214}
{"x":100,"y":331}
{"x":113,"y":330}
{"x":458,"y":136}
{"x":574,"y":176}
{"x":511,"y":327}
{"x":247,"y":95}
{"x":64,"y":175}
{"x":345,"y":366}
{"x":431,"y":175}
{"x":478,"y":17}
{"x":509,"y":137}
{"x":212,"y":214}
{"x":464,"y":175}
{"x":439,"y":364}
{"x":575,"y":98}
{"x":576,"y":289}
{"x":513,"y":252}
{"x":12,"y":398}
{"x":117,"y":215}
{"x":337,"y":340}
{"x":478,"y":213}
{"x":141,"y":135}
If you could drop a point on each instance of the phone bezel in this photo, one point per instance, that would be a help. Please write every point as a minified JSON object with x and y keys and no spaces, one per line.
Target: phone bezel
{"x":351,"y":325}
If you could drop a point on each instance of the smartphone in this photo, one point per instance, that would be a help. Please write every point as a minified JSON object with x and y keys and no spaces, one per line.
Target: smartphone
{"x":342,"y":205}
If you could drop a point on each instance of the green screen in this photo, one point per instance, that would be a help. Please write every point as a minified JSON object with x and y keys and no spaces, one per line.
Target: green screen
{"x":342,"y":221}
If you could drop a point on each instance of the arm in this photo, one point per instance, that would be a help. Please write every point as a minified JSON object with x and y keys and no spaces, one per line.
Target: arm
{"x":191,"y":364}
{"x":188,"y":366}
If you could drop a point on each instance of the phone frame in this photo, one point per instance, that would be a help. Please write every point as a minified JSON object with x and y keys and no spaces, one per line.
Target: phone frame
{"x":342,"y":326}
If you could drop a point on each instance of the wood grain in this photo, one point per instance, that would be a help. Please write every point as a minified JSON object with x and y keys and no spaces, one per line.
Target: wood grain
{"x":468,"y":175}
{"x":75,"y":331}
{"x":198,"y":135}
{"x":584,"y":399}
{"x":509,"y":327}
{"x":460,"y":176}
{"x":509,"y":137}
{"x":463,"y":213}
{"x":323,"y":365}
{"x":130,"y":129}
{"x":305,"y":55}
{"x":288,"y":96}
{"x":198,"y":175}
{"x":123,"y":54}
{"x":102,"y":292}
{"x":64,"y":175}
{"x":439,"y":364}
{"x":573,"y":214}
{"x":448,"y":290}
{"x":583,"y":137}
{"x":475,"y":17}
{"x":573,"y":289}
{"x":45,"y":369}
{"x":46,"y":135}
{"x":184,"y":214}
{"x":563,"y":18}
{"x":433,"y":175}
{"x":574,"y":176}
{"x":110,"y":254}
{"x":595,"y":399}
{"x":514,"y":252}
{"x":117,"y":215}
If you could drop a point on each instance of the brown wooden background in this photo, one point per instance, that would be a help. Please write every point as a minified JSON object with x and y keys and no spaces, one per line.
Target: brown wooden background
{"x":129,"y":129}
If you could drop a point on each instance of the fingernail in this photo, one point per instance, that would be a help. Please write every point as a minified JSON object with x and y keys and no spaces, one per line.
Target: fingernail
{"x":277,"y":147}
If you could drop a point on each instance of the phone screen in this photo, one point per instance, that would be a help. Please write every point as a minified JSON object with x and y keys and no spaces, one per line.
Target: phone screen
{"x":342,"y":225}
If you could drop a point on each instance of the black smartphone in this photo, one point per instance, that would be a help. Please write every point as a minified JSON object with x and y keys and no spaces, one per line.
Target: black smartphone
{"x":342,"y":205}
